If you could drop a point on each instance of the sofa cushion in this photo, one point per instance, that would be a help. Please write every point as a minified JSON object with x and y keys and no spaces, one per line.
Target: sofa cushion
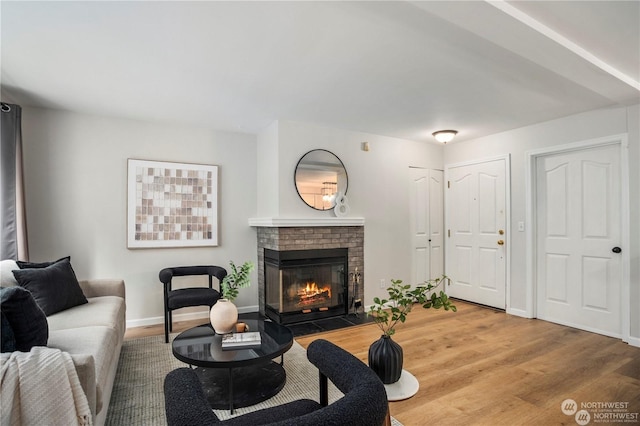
{"x":99,"y":342}
{"x":108,"y":311}
{"x":36,"y":265}
{"x":6,"y":333}
{"x":27,"y":321}
{"x":55,"y":287}
{"x":6,"y":273}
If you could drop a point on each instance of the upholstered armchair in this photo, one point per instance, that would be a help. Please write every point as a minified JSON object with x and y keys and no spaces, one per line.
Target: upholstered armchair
{"x":364,"y":402}
{"x":193,"y":296}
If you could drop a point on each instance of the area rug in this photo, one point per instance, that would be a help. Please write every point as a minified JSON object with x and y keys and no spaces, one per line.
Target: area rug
{"x":138,"y":396}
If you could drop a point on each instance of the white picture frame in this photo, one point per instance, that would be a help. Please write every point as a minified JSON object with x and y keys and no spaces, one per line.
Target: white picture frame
{"x":171,"y":204}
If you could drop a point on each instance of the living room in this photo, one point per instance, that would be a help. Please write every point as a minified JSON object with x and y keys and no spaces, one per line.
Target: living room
{"x":76,"y":151}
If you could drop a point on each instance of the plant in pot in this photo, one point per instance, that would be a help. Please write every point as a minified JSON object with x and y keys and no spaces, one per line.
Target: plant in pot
{"x":385,"y":355}
{"x":224,"y":314}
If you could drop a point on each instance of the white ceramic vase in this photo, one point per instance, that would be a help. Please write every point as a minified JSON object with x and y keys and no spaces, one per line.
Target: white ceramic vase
{"x":223,"y":316}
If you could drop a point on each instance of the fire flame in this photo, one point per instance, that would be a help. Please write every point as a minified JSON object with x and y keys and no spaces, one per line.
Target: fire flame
{"x":312,"y":289}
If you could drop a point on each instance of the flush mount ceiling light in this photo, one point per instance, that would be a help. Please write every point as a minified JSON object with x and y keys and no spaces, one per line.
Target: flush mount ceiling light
{"x":444,"y":136}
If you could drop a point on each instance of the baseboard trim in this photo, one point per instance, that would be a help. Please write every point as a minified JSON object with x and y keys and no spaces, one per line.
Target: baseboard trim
{"x":518,"y":312}
{"x":634,"y":341}
{"x":143,"y":322}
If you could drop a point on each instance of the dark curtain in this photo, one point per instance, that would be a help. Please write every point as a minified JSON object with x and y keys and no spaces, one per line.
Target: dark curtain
{"x":12,"y":208}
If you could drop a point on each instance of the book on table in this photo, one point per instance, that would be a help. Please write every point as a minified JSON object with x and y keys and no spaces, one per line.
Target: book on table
{"x":249,"y":339}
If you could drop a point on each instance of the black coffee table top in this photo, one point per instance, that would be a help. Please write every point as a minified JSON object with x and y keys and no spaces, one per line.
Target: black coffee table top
{"x":201,"y":346}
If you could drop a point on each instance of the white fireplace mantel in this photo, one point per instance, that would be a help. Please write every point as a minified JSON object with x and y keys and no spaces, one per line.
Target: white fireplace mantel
{"x":289,"y":222}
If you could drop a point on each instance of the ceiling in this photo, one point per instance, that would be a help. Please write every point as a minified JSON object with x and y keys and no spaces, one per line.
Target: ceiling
{"x":400,"y":69}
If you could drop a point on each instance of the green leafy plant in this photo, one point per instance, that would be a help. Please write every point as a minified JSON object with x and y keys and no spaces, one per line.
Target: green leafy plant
{"x":235,"y":279}
{"x":388,"y":312}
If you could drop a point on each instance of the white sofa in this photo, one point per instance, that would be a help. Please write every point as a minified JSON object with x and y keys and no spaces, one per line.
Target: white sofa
{"x":92,"y":334}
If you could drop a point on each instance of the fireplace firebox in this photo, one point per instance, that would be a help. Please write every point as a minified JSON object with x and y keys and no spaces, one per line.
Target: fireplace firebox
{"x":305,"y":285}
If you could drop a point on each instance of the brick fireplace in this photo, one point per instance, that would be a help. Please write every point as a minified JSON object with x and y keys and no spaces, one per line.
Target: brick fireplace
{"x":316,"y":237}
{"x":305,"y":285}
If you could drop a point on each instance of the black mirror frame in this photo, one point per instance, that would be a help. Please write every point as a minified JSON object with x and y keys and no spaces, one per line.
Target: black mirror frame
{"x":295,"y":172}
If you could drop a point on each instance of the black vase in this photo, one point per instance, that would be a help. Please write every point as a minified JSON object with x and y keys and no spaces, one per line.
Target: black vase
{"x":385,"y":359}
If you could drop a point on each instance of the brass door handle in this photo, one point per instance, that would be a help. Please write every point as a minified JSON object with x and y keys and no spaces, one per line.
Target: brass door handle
{"x":500,"y":242}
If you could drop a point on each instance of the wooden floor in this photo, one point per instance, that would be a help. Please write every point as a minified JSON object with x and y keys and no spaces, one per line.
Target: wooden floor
{"x":480,"y":366}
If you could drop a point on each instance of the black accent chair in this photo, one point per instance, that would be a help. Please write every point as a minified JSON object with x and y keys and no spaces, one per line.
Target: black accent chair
{"x":192,"y":296}
{"x":364,"y":402}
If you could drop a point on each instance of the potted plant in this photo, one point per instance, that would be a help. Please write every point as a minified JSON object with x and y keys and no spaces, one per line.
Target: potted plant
{"x":385,"y":355}
{"x":224,"y":314}
{"x":237,"y":278}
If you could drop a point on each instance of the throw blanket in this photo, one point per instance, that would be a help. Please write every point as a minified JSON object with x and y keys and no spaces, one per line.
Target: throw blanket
{"x":41,"y":387}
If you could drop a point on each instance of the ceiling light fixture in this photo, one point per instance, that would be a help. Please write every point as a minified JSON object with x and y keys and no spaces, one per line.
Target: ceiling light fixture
{"x":445,"y":136}
{"x":329,"y":191}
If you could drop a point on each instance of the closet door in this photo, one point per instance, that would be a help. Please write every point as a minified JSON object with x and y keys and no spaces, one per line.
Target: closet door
{"x":427,"y":224}
{"x":578,"y":224}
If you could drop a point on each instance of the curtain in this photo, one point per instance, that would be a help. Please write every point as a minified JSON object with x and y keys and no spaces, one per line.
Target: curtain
{"x":12,"y":207}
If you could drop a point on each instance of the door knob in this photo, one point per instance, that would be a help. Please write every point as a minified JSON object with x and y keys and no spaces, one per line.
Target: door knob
{"x":500,"y":242}
{"x":616,"y":250}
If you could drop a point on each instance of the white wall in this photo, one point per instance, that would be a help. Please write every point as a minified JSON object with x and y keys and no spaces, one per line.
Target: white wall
{"x":75,"y":172}
{"x":378,"y":191}
{"x":75,"y":167}
{"x":585,"y":126}
{"x":633,"y":122}
{"x":267,"y":171}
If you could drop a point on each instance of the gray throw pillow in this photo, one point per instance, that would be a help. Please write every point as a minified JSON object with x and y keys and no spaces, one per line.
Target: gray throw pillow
{"x":55,"y":287}
{"x":27,"y":321}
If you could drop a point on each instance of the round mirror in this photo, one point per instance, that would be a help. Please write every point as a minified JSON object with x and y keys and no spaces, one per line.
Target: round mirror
{"x":319,"y":176}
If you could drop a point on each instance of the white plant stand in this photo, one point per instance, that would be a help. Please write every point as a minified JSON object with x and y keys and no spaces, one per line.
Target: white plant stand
{"x":404,"y":388}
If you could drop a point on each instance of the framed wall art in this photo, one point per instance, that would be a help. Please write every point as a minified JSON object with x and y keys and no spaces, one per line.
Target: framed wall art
{"x":171,"y":204}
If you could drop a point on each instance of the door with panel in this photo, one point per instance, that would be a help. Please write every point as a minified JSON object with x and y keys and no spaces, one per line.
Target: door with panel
{"x":427,"y":224}
{"x":476,"y":224}
{"x":578,"y":233}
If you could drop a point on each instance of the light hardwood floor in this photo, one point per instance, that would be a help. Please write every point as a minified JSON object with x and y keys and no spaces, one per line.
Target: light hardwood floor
{"x":480,"y":366}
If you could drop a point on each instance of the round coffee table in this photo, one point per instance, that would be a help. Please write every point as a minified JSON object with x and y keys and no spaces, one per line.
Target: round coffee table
{"x":236,"y":378}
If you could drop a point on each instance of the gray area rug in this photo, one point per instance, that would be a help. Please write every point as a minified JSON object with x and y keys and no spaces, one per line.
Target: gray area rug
{"x":138,"y":396}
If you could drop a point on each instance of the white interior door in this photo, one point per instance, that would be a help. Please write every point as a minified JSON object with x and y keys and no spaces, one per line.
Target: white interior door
{"x":436,"y":223}
{"x":476,"y":224}
{"x":427,"y":225}
{"x":578,"y":223}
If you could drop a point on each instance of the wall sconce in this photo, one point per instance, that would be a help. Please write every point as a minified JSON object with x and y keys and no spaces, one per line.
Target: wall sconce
{"x":445,"y":136}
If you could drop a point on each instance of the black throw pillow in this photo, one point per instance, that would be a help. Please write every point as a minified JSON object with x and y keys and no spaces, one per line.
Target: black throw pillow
{"x":8,"y":338}
{"x":31,"y":265}
{"x":28,"y":322}
{"x":54,"y":287}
